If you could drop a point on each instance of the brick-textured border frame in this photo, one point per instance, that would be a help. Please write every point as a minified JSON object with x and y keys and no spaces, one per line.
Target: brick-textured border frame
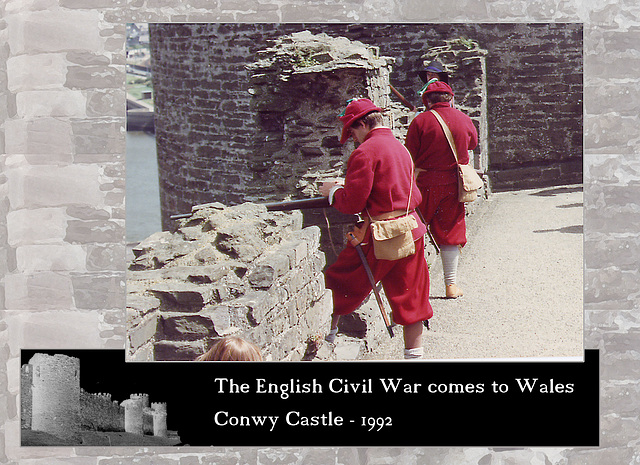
{"x":62,"y":202}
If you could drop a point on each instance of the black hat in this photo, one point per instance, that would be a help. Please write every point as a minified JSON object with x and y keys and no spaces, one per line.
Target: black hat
{"x":434,"y":67}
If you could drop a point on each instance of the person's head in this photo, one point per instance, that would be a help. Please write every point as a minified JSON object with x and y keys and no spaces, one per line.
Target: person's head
{"x":434,"y":70}
{"x":360,"y":117}
{"x":231,"y":348}
{"x":437,"y":91}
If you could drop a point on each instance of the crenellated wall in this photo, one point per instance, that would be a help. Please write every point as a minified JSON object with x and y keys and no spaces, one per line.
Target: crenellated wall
{"x":53,"y":402}
{"x":98,"y":412}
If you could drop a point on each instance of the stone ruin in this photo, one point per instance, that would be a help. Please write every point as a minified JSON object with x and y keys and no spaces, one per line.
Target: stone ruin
{"x":302,"y":82}
{"x":228,"y":271}
{"x":299,"y":85}
{"x":240,"y":271}
{"x":53,"y":402}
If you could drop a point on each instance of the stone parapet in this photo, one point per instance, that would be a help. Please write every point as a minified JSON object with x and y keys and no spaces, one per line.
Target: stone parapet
{"x":228,"y":270}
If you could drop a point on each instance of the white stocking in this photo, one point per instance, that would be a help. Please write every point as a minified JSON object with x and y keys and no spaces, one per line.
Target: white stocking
{"x":449,"y":255}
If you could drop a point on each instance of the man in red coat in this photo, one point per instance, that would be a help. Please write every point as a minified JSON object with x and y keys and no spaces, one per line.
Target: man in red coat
{"x":379,"y":183}
{"x":438,"y":174}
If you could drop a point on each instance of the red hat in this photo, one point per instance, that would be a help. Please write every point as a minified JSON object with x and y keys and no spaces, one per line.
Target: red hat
{"x":439,"y":86}
{"x":356,"y":109}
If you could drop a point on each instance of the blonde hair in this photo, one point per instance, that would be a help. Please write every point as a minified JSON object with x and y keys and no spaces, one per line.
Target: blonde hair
{"x":231,"y":348}
{"x":370,"y":120}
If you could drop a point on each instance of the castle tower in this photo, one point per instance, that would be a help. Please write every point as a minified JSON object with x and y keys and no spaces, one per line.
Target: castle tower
{"x":55,"y":394}
{"x":159,"y":419}
{"x":133,"y":417}
{"x":26,"y":381}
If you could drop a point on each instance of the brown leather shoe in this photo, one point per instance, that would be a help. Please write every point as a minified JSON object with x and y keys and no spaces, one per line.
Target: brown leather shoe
{"x":453,"y":291}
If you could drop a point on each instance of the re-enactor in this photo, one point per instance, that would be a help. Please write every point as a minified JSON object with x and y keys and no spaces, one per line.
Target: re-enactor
{"x":378,"y":185}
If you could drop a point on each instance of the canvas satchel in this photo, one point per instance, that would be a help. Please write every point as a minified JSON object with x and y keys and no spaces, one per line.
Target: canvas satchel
{"x":392,"y":234}
{"x":393,"y":239}
{"x":468,"y":180}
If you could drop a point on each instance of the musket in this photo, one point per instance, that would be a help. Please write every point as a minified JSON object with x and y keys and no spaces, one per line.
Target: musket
{"x":402,"y":99}
{"x":354,"y":242}
{"x":302,"y":204}
{"x":431,"y":239}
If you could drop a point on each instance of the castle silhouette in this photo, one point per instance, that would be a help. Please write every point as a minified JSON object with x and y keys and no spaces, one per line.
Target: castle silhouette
{"x":53,"y":402}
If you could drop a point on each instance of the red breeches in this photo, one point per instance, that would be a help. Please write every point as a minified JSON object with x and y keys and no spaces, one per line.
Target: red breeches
{"x":405,"y":282}
{"x":444,"y":214}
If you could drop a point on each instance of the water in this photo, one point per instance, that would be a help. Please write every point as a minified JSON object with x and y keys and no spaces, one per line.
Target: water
{"x":143,"y":192}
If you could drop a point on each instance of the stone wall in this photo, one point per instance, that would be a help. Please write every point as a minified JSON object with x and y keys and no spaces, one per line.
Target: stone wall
{"x":206,"y":123}
{"x":239,"y":270}
{"x":98,"y":412}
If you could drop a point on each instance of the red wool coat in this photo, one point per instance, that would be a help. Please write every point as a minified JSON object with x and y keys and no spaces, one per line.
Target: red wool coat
{"x":438,"y":182}
{"x":378,"y":180}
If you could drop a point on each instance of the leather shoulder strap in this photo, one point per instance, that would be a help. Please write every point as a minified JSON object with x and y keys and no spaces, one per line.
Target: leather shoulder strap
{"x":447,"y":133}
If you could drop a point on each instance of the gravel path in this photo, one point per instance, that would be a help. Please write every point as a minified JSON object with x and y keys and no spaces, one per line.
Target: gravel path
{"x":521,"y":273}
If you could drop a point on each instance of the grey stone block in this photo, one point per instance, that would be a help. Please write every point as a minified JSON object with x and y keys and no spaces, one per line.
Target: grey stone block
{"x":92,"y":77}
{"x":183,"y":327}
{"x":56,"y":103}
{"x":143,"y":333}
{"x":54,"y":30}
{"x":269,"y":267}
{"x":25,"y":226}
{"x":23,"y":71}
{"x":94,"y":231}
{"x":175,"y":350}
{"x":86,"y":58}
{"x":143,"y":354}
{"x":162,"y":255}
{"x":197,"y":274}
{"x":255,"y":305}
{"x":220,"y":317}
{"x":98,"y":137}
{"x":296,"y":250}
{"x":106,"y":103}
{"x":54,"y":257}
{"x":87,"y":212}
{"x":143,"y":304}
{"x":44,"y":136}
{"x":190,"y":296}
